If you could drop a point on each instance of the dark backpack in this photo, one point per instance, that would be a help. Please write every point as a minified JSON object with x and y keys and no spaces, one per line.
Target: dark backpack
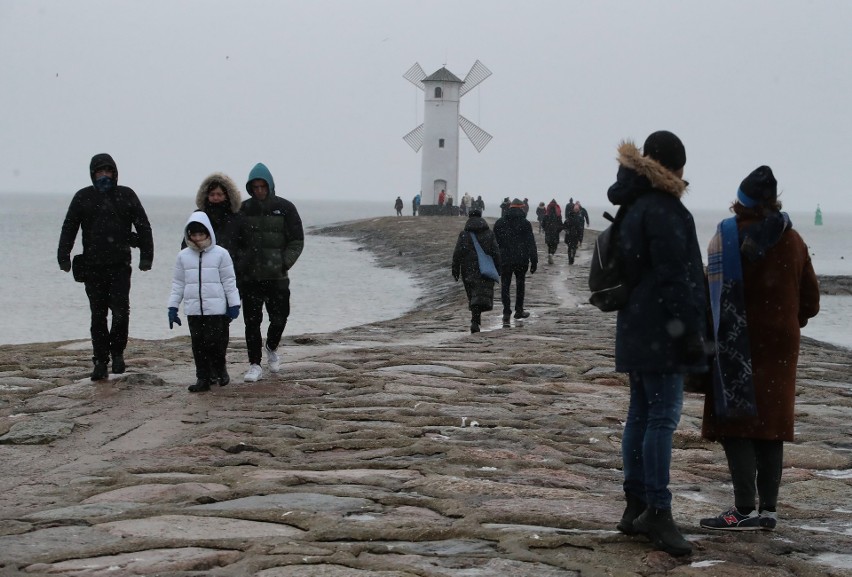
{"x":607,"y":278}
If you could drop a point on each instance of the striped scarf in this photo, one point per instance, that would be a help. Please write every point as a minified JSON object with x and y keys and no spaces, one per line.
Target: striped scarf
{"x":733,"y":386}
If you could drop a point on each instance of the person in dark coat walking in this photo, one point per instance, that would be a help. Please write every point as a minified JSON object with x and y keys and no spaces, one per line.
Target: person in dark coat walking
{"x":272,"y":241}
{"x":518,"y":254}
{"x":660,"y":331}
{"x":106,"y":212}
{"x":480,"y":290}
{"x":574,"y":225}
{"x":552,"y":228}
{"x":398,"y":206}
{"x":539,"y":214}
{"x":219,"y":198}
{"x":774,"y":295}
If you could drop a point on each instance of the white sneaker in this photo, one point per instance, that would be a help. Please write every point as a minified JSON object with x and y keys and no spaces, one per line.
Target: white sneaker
{"x":272,"y":360}
{"x":253,"y":374}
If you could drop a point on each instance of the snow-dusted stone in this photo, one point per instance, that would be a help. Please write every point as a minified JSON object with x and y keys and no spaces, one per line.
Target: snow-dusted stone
{"x":82,"y":511}
{"x":423,"y":369}
{"x":310,"y":502}
{"x":324,"y":570}
{"x":157,"y":493}
{"x":150,"y":562}
{"x":191,"y":528}
{"x":12,"y":384}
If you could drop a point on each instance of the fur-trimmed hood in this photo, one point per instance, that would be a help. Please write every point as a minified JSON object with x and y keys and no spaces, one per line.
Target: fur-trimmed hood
{"x":228,"y":185}
{"x":659,"y":176}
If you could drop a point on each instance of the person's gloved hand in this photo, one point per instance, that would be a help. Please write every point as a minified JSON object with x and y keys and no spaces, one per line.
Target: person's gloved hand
{"x":65,"y":266}
{"x":174,"y":319}
{"x":692,"y":348}
{"x":145,"y":265}
{"x":233,"y":312}
{"x":533,"y":267}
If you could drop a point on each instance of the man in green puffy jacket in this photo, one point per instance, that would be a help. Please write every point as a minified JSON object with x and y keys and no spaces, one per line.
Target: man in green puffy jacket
{"x":271,"y":241}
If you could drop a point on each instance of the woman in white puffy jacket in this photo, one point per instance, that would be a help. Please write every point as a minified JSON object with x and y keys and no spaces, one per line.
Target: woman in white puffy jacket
{"x":204,"y":280}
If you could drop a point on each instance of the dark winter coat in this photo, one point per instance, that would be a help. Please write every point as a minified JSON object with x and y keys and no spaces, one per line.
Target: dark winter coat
{"x":666,"y":310}
{"x":781,"y":294}
{"x":271,"y":234}
{"x":515,"y":236}
{"x":552,"y":224}
{"x":106,"y":219}
{"x":480,"y":291}
{"x":224,"y":216}
{"x":574,"y":226}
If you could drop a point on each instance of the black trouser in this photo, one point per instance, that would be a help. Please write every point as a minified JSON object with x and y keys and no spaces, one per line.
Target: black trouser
{"x":506,"y":273}
{"x":108,"y":289}
{"x":210,"y":336}
{"x":276,"y":296}
{"x":750,"y":459}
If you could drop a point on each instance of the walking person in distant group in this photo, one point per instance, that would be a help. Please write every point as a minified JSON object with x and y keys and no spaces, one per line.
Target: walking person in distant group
{"x":398,"y":206}
{"x":480,"y":204}
{"x":219,"y":198}
{"x":660,"y":331}
{"x":574,"y":224}
{"x":552,"y":226}
{"x":204,"y":279}
{"x":539,"y":214}
{"x":442,"y":197}
{"x":479,"y":289}
{"x":106,"y":212}
{"x":415,"y":204}
{"x":273,"y":239}
{"x":761,"y":279}
{"x":518,"y":254}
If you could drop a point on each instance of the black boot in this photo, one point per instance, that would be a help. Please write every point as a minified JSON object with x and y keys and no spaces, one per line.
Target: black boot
{"x":118,"y":365}
{"x":662,"y":531}
{"x":224,"y":378}
{"x":199,"y":386}
{"x":474,"y":327}
{"x":635,"y":507}
{"x":100,"y":372}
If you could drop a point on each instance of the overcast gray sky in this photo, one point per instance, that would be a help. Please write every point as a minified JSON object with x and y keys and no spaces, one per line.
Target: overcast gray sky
{"x":176,"y":89}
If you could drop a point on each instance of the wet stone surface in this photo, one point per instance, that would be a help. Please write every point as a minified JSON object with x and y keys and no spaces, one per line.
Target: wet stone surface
{"x":405,"y":448}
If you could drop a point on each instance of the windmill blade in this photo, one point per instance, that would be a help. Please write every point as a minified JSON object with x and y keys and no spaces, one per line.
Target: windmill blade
{"x":415,"y":75}
{"x":478,"y":73}
{"x":415,"y":138}
{"x":478,"y":137}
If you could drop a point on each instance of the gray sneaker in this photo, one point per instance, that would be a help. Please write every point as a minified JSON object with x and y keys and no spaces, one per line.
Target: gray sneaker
{"x":253,"y":374}
{"x":272,"y":360}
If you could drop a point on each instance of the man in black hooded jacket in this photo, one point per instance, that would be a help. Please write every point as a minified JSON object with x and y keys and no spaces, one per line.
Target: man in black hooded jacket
{"x":518,"y":254}
{"x":106,"y":212}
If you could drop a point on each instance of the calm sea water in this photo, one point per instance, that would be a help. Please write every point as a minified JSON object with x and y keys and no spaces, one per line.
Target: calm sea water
{"x":333,"y":285}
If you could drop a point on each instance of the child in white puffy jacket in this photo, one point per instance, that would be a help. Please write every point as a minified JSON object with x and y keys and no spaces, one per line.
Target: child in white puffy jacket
{"x":205,"y":281}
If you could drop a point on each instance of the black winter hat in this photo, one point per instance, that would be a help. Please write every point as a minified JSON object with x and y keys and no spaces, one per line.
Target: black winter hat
{"x":666,"y":148}
{"x":474,"y":213}
{"x":759,"y":187}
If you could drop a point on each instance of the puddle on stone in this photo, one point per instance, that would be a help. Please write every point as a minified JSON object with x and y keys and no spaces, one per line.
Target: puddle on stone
{"x":835,"y":474}
{"x":838,"y":528}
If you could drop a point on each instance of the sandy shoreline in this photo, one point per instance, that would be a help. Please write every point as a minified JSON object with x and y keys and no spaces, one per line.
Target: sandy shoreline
{"x":403,"y":447}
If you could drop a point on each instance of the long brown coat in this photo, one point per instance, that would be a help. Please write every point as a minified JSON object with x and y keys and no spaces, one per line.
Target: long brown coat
{"x":781,"y":294}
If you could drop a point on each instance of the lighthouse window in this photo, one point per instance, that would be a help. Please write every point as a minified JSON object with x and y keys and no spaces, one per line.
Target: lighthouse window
{"x":440,"y":143}
{"x":439,"y":93}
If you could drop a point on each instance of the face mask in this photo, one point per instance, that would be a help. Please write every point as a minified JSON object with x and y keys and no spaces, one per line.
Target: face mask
{"x":104,"y":184}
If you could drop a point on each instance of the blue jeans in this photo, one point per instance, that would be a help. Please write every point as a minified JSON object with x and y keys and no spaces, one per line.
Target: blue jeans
{"x":656,"y":400}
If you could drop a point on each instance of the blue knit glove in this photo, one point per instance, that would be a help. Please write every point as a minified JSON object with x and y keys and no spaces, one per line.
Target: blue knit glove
{"x":174,"y":319}
{"x":233,"y":312}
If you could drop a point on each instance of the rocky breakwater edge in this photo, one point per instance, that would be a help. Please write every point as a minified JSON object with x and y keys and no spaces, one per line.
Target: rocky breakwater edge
{"x":403,"y":448}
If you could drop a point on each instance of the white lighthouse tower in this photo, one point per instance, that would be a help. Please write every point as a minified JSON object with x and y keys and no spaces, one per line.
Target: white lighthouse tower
{"x":439,"y":133}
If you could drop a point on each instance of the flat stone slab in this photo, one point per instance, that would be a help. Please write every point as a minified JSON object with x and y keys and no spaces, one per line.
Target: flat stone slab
{"x":150,"y":562}
{"x":36,"y":432}
{"x":423,"y":369}
{"x":534,"y":371}
{"x":54,"y":541}
{"x":309,"y":502}
{"x":364,"y":476}
{"x":89,"y":511}
{"x":324,"y":570}
{"x":157,"y":492}
{"x":192,"y":528}
{"x":11,"y":384}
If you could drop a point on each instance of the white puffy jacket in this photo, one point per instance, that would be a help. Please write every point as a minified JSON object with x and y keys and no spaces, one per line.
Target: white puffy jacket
{"x":204,"y":279}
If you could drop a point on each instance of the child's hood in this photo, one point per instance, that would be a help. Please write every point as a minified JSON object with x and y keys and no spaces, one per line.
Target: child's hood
{"x":200,"y":217}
